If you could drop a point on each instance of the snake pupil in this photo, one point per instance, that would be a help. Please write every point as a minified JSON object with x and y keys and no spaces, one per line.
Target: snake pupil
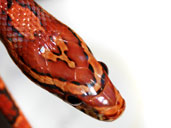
{"x":73,"y":100}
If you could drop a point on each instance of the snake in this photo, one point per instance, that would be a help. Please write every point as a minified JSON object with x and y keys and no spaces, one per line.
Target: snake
{"x":57,"y":59}
{"x":10,"y":111}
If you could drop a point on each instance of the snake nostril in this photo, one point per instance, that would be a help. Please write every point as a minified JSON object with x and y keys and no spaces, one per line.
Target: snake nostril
{"x":73,"y":100}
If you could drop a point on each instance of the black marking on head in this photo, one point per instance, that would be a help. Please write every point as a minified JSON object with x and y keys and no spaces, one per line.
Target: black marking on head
{"x":58,"y":59}
{"x":73,"y":100}
{"x":41,"y":10}
{"x":86,"y":55}
{"x":60,"y":52}
{"x":9,"y":25}
{"x":51,"y":38}
{"x":41,"y":23}
{"x":9,"y":3}
{"x":75,"y":82}
{"x":9,"y":20}
{"x":19,"y":34}
{"x":3,"y":12}
{"x":34,"y":70}
{"x":79,"y":42}
{"x":10,"y":39}
{"x":92,"y":83}
{"x":40,"y":73}
{"x":95,"y":111}
{"x":35,"y":12}
{"x":66,"y":53}
{"x":82,"y":110}
{"x":50,"y":86}
{"x":36,"y":4}
{"x":62,"y":79}
{"x":103,"y":80}
{"x":104,"y":67}
{"x":85,"y":94}
{"x":100,"y":90}
{"x":29,"y":7}
{"x":23,"y":5}
{"x":91,"y":68}
{"x":89,"y":50}
{"x":102,"y":84}
{"x":15,"y":30}
{"x":65,"y":41}
{"x":35,"y":34}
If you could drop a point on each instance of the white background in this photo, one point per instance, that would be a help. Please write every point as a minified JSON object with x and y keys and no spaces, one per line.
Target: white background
{"x":133,"y":38}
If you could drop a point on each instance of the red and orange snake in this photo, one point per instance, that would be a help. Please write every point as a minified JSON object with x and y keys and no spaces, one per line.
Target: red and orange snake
{"x":53,"y":56}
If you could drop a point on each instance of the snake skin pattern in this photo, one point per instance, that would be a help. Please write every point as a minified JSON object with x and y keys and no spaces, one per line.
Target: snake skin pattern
{"x":9,"y":109}
{"x":52,"y":55}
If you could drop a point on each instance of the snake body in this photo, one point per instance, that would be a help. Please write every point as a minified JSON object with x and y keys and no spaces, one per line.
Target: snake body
{"x":52,"y":55}
{"x":10,"y":110}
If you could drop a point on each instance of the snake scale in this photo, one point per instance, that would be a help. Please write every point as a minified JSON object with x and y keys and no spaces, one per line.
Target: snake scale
{"x":53,"y":56}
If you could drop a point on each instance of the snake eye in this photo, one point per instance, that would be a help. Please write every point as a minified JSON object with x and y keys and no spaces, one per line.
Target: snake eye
{"x":73,"y":100}
{"x":104,"y":67}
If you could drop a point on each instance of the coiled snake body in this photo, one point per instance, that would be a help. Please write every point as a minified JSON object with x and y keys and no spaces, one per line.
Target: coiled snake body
{"x":57,"y":59}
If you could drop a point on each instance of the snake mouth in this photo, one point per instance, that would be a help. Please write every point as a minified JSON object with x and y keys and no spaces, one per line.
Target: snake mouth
{"x":109,"y":114}
{"x":114,"y":112}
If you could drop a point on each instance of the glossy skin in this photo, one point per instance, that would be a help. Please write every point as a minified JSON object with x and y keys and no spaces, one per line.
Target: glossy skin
{"x":56,"y":58}
{"x":9,"y":109}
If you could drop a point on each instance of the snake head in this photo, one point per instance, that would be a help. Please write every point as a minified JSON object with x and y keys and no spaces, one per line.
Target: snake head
{"x":53,"y":56}
{"x":106,"y":105}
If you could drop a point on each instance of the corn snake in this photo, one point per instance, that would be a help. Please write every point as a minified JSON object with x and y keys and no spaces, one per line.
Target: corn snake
{"x":56,"y":58}
{"x":10,"y":110}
